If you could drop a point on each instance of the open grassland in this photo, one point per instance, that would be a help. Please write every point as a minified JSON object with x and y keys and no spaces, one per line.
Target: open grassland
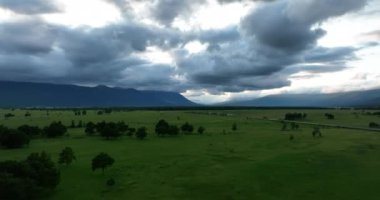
{"x":257,"y":161}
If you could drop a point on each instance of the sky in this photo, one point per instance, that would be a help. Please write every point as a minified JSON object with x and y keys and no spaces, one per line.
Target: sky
{"x":208,"y":50}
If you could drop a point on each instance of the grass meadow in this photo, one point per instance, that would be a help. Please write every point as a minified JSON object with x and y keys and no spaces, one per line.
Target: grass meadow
{"x":257,"y":161}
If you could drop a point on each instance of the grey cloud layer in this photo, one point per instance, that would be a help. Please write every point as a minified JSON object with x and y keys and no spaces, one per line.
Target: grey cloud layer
{"x":272,"y":42}
{"x":274,"y":39}
{"x":31,"y":7}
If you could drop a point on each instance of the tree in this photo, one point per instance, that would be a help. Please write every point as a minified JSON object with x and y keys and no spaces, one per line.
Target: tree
{"x":291,"y":137}
{"x":28,"y":179}
{"x":102,"y":161}
{"x":317,"y":132}
{"x":44,"y":171}
{"x":131,"y":131}
{"x":141,"y":133}
{"x":294,"y":126}
{"x":110,"y":130}
{"x":66,"y":156}
{"x":329,"y":116}
{"x":234,"y":127}
{"x":11,"y":138}
{"x":162,"y":127}
{"x":72,"y":124}
{"x":27,"y":114}
{"x":8,"y":115}
{"x":90,"y":128}
{"x":187,"y":128}
{"x":122,"y":126}
{"x":80,"y":124}
{"x":284,"y":126}
{"x":374,"y":125}
{"x":30,"y":131}
{"x":201,"y":130}
{"x":173,"y":130}
{"x":55,"y":129}
{"x":295,"y":116}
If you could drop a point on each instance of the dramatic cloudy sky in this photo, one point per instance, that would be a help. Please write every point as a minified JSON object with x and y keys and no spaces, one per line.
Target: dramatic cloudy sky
{"x":208,"y":50}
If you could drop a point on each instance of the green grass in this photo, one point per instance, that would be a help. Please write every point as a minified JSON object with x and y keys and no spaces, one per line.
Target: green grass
{"x":256,"y":162}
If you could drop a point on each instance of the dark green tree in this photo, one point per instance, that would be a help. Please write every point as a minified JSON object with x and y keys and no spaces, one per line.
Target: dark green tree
{"x":43,"y":170}
{"x":187,"y":128}
{"x":131,"y":132}
{"x":110,"y":130}
{"x":55,"y":129}
{"x":11,"y":139}
{"x":316,"y":132}
{"x":31,"y":131}
{"x":90,"y":128}
{"x":201,"y":130}
{"x":234,"y":127}
{"x":66,"y":156}
{"x":141,"y":133}
{"x":102,"y":161}
{"x":162,"y":127}
{"x":173,"y":130}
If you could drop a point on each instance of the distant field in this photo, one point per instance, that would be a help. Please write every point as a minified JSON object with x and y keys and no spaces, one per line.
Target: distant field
{"x":258,"y":161}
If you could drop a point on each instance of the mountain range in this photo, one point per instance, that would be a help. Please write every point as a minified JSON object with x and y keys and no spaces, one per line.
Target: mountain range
{"x":24,"y":94}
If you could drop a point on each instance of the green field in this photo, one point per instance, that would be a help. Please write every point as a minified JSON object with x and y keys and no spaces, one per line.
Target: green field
{"x":258,"y":161}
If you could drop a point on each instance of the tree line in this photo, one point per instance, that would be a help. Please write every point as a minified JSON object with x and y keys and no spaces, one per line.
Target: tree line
{"x":16,"y":138}
{"x":295,"y":116}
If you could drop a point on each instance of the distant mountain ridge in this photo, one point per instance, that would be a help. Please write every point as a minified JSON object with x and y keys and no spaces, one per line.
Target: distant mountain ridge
{"x":25,"y":94}
{"x":369,"y":98}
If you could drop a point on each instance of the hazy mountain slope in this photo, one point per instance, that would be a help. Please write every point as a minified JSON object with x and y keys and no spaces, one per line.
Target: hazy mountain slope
{"x":357,"y":98}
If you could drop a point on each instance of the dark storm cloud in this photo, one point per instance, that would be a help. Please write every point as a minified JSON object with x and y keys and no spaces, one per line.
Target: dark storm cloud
{"x":216,"y":36}
{"x":323,"y":55}
{"x":39,"y":51}
{"x":31,"y":7}
{"x":290,"y":25}
{"x":278,"y":40}
{"x":30,"y":37}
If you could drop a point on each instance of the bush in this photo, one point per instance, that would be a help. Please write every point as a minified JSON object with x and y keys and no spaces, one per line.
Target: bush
{"x":111,"y":182}
{"x":8,"y":115}
{"x":130,"y":132}
{"x":374,"y":125}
